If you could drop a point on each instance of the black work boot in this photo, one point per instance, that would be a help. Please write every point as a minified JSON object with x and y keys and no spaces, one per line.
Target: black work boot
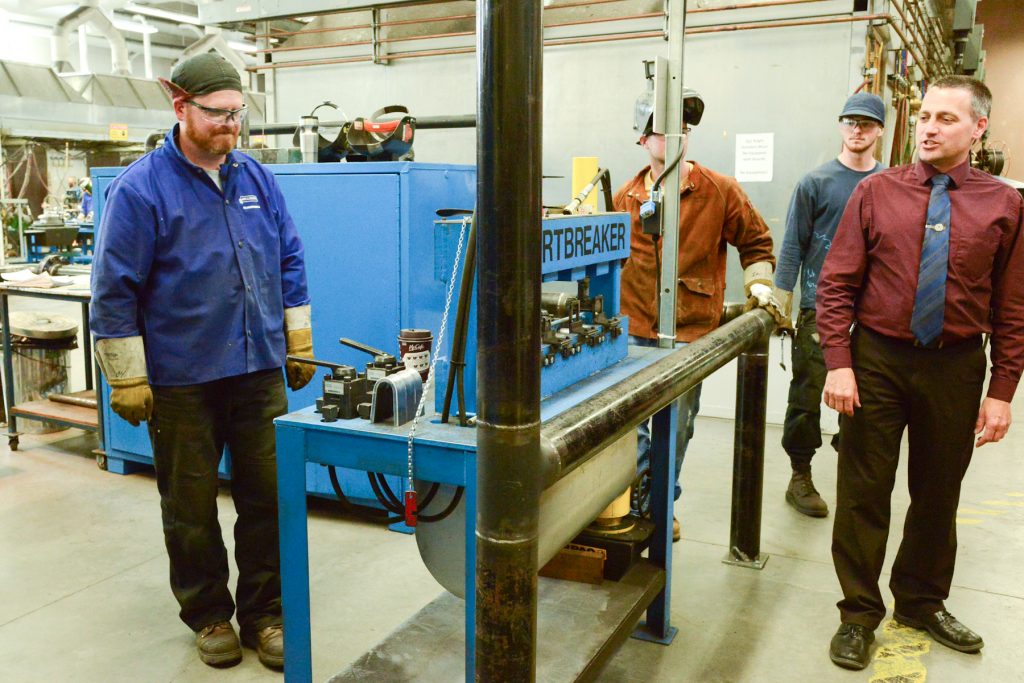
{"x":218,"y":645}
{"x":802,"y":495}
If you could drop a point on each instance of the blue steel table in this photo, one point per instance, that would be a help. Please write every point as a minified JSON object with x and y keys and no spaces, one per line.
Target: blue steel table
{"x":444,"y":453}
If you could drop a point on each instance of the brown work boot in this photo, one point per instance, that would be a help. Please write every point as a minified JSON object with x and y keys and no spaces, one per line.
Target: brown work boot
{"x":218,"y":645}
{"x":269,"y":645}
{"x":675,"y":529}
{"x":802,"y":495}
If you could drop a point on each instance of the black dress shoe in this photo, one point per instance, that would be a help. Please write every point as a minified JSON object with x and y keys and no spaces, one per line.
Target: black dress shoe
{"x":851,"y":646}
{"x":946,"y":629}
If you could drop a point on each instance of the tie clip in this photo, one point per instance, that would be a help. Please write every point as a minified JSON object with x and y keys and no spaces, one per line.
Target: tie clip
{"x":937,"y":227}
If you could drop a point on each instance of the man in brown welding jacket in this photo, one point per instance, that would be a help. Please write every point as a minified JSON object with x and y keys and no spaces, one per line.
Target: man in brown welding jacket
{"x":714,"y":212}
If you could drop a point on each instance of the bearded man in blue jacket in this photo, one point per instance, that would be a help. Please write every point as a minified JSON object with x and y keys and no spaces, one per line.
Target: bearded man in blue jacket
{"x":199,"y":291}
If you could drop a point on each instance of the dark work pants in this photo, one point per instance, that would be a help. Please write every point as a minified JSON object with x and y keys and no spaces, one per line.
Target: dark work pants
{"x":801,"y":431}
{"x":190,"y":427}
{"x":935,"y":395}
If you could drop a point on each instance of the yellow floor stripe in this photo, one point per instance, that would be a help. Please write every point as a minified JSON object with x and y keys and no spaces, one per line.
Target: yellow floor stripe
{"x":1005,"y":503}
{"x":972,"y":511}
{"x":965,"y":520}
{"x":897,"y":659}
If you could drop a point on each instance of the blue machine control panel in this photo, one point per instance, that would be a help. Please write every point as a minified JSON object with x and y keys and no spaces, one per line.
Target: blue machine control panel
{"x":581,"y":329}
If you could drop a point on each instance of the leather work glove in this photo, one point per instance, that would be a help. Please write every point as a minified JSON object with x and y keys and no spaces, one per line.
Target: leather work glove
{"x":299,"y":342}
{"x":785,"y":301}
{"x":132,"y":399}
{"x":123,"y":361}
{"x":757,"y":280}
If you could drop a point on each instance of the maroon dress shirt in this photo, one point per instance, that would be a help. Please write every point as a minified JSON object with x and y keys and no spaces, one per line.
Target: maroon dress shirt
{"x":870,"y":273}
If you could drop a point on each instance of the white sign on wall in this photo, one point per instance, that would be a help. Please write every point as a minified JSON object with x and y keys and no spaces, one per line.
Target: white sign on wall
{"x":755,"y":157}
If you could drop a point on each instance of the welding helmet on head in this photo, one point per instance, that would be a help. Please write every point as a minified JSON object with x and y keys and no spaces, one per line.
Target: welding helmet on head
{"x":643,"y":111}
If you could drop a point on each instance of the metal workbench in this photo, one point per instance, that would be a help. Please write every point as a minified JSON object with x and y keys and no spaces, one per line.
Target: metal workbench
{"x":64,"y":414}
{"x":446,"y":453}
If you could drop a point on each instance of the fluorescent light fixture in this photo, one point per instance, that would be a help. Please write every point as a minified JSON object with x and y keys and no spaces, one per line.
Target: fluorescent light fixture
{"x":162,"y":14}
{"x":240,"y":46}
{"x":134,"y":26}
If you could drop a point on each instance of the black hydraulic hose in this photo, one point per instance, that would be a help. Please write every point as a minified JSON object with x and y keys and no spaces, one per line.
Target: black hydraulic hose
{"x":606,"y":190}
{"x":668,"y":169}
{"x":657,"y":273}
{"x":389,"y":495}
{"x":359,"y":510}
{"x":382,"y":498}
{"x":458,"y":355}
{"x":454,"y":503}
{"x":386,"y":495}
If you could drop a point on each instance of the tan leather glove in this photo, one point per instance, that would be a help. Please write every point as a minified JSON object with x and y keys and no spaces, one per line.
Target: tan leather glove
{"x":299,"y":341}
{"x":132,"y":399}
{"x":757,"y":281}
{"x":123,"y":361}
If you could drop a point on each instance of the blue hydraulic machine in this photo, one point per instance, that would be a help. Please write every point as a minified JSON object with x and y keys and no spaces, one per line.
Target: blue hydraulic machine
{"x":368,"y":231}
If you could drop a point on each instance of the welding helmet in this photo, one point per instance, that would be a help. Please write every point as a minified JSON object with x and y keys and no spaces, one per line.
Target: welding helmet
{"x":643,"y":111}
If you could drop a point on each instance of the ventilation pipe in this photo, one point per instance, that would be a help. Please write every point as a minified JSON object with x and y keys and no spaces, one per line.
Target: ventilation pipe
{"x":88,"y":12}
{"x":213,"y":40}
{"x":83,"y":49}
{"x":147,"y":47}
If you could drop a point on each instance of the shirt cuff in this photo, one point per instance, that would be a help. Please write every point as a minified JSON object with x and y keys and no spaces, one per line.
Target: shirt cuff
{"x":1001,"y":388}
{"x":837,"y":357}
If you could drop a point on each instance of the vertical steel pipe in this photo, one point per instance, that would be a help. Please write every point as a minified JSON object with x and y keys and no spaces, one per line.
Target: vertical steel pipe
{"x":509,"y":480}
{"x":748,"y":456}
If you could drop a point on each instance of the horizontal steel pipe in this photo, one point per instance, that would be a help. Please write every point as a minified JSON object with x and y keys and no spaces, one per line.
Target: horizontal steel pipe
{"x":576,"y":435}
{"x":422,"y":123}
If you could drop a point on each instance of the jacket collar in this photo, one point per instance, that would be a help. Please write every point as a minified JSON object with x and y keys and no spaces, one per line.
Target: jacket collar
{"x":693,"y":181}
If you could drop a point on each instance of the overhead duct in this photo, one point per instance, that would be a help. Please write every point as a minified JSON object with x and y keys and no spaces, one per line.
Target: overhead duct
{"x":147,"y":47}
{"x":213,"y":40}
{"x":89,"y":13}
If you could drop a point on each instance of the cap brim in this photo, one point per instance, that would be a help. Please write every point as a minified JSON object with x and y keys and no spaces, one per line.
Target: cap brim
{"x":173,"y":91}
{"x":861,"y":112}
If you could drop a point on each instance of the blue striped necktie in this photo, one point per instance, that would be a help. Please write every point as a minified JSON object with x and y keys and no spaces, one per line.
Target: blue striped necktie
{"x":930,"y":301}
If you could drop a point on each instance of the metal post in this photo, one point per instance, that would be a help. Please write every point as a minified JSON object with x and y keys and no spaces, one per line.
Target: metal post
{"x":309,"y":139}
{"x":676,"y":27}
{"x":509,"y":480}
{"x":748,"y":457}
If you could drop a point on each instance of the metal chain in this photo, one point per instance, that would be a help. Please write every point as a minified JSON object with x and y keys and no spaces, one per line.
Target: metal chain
{"x":437,"y":348}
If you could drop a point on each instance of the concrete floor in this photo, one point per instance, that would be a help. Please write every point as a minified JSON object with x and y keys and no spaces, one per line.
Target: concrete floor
{"x":85,"y":594}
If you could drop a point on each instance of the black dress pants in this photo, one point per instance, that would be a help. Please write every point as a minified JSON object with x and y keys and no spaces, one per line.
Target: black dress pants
{"x":934,"y":394}
{"x":190,"y":427}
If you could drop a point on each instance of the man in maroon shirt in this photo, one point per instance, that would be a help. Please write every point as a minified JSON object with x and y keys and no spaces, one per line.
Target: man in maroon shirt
{"x":922,"y":265}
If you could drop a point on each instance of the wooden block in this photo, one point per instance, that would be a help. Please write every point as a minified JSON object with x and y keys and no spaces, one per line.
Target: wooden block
{"x":580,"y":563}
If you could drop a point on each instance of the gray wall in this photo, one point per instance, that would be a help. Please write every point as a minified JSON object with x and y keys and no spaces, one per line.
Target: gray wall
{"x":788,"y":81}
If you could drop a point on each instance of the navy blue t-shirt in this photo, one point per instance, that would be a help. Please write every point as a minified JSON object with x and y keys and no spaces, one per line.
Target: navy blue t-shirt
{"x":814,"y":212}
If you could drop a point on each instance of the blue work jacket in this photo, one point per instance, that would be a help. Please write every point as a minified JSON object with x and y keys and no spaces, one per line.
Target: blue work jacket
{"x":203,"y":275}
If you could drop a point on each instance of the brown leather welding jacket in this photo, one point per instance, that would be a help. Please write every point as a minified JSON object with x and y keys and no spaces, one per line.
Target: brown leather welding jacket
{"x":714,"y":212}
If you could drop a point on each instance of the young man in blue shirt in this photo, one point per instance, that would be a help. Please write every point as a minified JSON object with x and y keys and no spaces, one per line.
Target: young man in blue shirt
{"x":199,"y":288}
{"x":814,"y":212}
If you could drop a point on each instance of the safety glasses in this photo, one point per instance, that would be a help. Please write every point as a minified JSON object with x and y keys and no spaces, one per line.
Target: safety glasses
{"x":221,"y":117}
